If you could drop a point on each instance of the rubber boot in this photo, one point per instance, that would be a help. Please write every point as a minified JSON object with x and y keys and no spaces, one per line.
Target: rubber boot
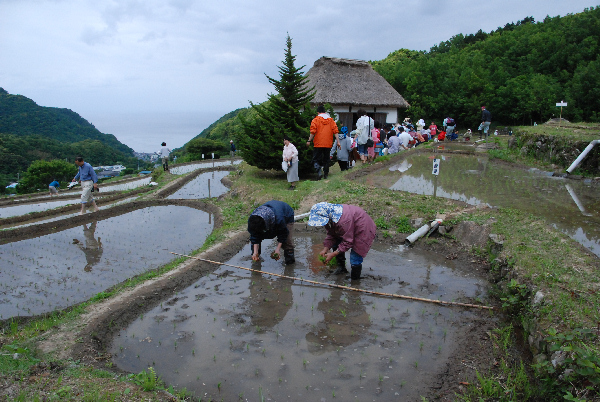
{"x":356,"y":270}
{"x":341,"y":265}
{"x":288,"y":255}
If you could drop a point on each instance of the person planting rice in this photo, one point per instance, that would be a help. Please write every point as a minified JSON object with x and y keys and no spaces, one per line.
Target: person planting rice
{"x":270,"y":220}
{"x":348,"y":228}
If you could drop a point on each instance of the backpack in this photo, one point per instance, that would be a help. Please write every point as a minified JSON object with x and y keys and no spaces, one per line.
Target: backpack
{"x":450,"y":121}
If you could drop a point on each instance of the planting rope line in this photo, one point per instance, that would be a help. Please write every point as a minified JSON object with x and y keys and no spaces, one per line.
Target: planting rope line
{"x":333,"y":285}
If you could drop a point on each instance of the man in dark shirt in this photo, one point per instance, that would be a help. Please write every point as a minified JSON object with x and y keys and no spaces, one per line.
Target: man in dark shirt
{"x":486,"y":119}
{"x":270,"y":220}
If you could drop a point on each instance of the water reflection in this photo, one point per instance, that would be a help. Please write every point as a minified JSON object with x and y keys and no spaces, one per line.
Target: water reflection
{"x":299,"y":341}
{"x":206,"y":185}
{"x":91,"y":247}
{"x":345,"y":321}
{"x":44,"y":273}
{"x":571,"y":206}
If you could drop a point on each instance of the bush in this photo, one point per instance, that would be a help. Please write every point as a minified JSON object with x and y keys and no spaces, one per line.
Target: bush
{"x":41,"y":173}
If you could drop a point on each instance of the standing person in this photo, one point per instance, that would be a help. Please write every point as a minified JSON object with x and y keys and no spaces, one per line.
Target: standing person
{"x":231,"y":148}
{"x":449,"y":124}
{"x":348,"y":228}
{"x":290,"y":155}
{"x":420,"y":125}
{"x":364,"y":125}
{"x":53,"y":188}
{"x":270,"y":220}
{"x":486,"y":119}
{"x":432,"y":129}
{"x":89,"y":181}
{"x":343,"y":153}
{"x":322,"y":129}
{"x":375,"y":133}
{"x":164,"y":154}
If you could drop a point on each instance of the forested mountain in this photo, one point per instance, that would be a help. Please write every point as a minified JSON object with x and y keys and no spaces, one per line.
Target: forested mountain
{"x":29,"y":132}
{"x":519,"y":71}
{"x":214,"y":138}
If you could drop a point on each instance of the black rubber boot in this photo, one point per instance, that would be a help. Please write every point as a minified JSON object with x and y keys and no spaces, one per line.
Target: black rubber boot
{"x":356,"y":270}
{"x":288,"y":255}
{"x":341,"y":265}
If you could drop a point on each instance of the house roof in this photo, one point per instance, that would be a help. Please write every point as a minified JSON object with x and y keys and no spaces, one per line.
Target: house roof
{"x":351,"y":82}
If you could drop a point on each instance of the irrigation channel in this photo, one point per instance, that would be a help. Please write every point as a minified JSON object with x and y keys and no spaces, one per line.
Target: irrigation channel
{"x":237,"y":334}
{"x":571,"y":206}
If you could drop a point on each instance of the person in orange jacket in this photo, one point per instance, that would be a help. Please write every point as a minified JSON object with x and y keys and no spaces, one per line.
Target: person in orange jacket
{"x":322,"y":128}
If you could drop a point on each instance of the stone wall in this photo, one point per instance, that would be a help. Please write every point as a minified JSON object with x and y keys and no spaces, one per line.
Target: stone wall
{"x":557,"y":150}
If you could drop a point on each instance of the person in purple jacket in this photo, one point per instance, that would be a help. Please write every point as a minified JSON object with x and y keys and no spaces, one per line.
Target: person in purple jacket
{"x":348,"y":228}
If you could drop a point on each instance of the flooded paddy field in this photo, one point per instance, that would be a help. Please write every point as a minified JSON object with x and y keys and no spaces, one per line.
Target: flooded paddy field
{"x":183,"y":169}
{"x":126,"y":186}
{"x":206,"y":185}
{"x":571,"y":206}
{"x":65,"y":215}
{"x":42,"y":205}
{"x":236,"y":334}
{"x":57,"y":270}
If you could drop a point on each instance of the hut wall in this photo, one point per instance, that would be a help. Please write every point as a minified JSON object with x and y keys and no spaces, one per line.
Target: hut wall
{"x":347,"y":116}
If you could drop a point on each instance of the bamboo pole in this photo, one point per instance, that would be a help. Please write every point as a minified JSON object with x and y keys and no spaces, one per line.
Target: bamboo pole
{"x":333,"y":285}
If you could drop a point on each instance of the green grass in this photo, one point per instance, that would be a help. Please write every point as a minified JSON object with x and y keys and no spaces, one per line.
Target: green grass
{"x":544,"y":259}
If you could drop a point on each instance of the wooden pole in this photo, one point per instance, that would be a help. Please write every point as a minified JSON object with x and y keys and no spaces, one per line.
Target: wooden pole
{"x":333,"y":285}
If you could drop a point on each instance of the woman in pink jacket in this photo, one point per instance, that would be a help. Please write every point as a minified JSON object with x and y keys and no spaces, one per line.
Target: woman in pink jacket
{"x":348,"y":228}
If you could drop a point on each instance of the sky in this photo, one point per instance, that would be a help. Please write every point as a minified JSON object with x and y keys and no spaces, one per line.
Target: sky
{"x":149,"y":71}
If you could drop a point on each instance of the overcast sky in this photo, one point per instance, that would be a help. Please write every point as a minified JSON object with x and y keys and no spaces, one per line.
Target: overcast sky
{"x":149,"y":71}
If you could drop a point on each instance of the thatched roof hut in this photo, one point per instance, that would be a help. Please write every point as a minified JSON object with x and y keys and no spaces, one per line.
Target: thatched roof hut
{"x":349,"y":85}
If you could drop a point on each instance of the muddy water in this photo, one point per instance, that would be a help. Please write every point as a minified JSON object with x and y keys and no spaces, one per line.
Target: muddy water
{"x":16,"y":210}
{"x":256,"y":334}
{"x":206,"y":185}
{"x":571,"y":206}
{"x":126,"y":186}
{"x":190,"y":168}
{"x":66,"y":215}
{"x":61,"y":269}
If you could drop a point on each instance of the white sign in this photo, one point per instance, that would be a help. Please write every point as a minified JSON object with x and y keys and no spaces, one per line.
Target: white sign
{"x":213,"y":155}
{"x":561,"y":104}
{"x":436,"y":167}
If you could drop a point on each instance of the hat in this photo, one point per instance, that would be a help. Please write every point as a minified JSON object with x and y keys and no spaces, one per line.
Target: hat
{"x":322,"y":212}
{"x":483,"y":107}
{"x":230,"y":140}
{"x":344,"y":130}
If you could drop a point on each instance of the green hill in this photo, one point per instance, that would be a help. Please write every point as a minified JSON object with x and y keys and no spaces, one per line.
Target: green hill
{"x":214,"y":138}
{"x":29,"y":132}
{"x":20,"y":116}
{"x":519,"y":71}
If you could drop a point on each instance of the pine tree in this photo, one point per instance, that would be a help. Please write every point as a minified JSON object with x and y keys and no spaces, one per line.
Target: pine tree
{"x":288,"y":112}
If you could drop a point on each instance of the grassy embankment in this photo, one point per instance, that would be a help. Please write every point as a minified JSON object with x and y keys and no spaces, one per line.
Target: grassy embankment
{"x":544,"y":259}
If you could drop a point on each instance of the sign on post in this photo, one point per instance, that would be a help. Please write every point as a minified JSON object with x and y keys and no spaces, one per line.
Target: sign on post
{"x":561,"y":104}
{"x":436,"y":167}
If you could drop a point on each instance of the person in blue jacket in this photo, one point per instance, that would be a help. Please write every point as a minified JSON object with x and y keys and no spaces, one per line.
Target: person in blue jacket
{"x":53,"y":188}
{"x":270,"y":220}
{"x":89,"y":182}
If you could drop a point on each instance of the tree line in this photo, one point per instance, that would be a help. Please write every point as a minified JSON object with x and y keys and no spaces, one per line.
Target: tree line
{"x":519,"y":71}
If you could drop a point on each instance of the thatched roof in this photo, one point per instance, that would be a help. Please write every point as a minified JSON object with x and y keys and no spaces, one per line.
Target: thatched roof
{"x":351,"y":82}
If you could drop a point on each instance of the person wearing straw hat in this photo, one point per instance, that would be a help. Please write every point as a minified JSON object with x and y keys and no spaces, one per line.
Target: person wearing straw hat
{"x":270,"y":220}
{"x":348,"y":227}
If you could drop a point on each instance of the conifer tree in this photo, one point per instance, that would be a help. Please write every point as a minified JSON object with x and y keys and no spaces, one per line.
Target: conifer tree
{"x":288,"y":112}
